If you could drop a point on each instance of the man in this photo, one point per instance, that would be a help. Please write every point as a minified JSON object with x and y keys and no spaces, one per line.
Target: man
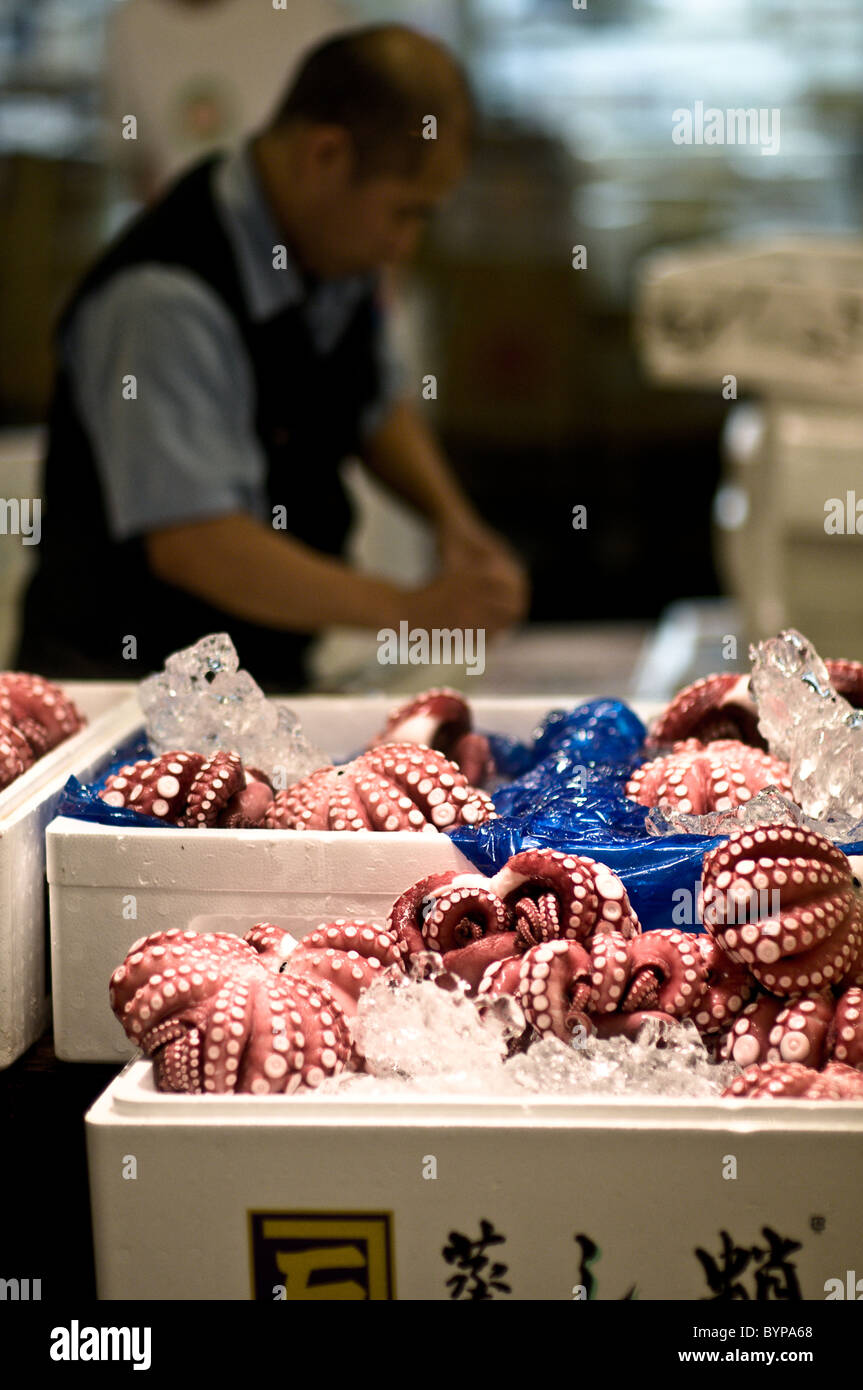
{"x":219,"y":363}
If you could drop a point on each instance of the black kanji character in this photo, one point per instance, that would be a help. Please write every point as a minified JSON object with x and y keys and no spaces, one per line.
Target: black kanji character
{"x":475,"y":1281}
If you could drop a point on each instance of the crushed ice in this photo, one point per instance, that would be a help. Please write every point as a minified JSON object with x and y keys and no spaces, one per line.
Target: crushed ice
{"x":812,"y":728}
{"x":817,"y":732}
{"x":419,"y":1038}
{"x":203,"y":702}
{"x":769,"y":807}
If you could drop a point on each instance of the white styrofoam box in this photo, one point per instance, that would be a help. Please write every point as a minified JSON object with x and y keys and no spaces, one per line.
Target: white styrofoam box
{"x":242,"y":1197}
{"x":26,"y":807}
{"x":227,"y":880}
{"x":779,"y":315}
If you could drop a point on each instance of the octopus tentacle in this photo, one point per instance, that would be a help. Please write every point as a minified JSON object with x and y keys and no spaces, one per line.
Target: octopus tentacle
{"x":537,"y":920}
{"x":787,"y":1080}
{"x":729,"y":987}
{"x":612,"y":966}
{"x":667,"y":973}
{"x":217,"y":780}
{"x":348,"y":956}
{"x":799,"y":1033}
{"x":179,"y":1064}
{"x":408,"y":912}
{"x":459,"y":915}
{"x":471,"y":962}
{"x":554,"y":987}
{"x":748,"y":1039}
{"x":273,"y":944}
{"x":715,"y":707}
{"x":628,"y":1025}
{"x":501,"y":977}
{"x":845,"y":1039}
{"x":590,"y":897}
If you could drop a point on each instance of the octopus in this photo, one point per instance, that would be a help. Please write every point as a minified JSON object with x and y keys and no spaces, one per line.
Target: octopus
{"x":262,"y":1014}
{"x":783,"y":905}
{"x":810,"y":1030}
{"x":35,"y":716}
{"x":776,"y":988}
{"x":558,"y":933}
{"x":191,"y":790}
{"x":783,"y":902}
{"x":441,"y":719}
{"x":791,"y":1080}
{"x":721,"y":707}
{"x":395,"y":786}
{"x":697,"y":778}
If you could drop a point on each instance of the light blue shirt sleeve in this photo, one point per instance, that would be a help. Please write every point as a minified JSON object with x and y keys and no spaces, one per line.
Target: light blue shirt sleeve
{"x":182,"y":446}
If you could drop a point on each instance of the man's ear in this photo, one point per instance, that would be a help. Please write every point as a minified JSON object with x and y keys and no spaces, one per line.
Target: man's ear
{"x":329,"y":153}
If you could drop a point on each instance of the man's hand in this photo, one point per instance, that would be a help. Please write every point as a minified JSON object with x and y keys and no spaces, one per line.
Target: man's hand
{"x":467,"y":545}
{"x":481,"y":585}
{"x":405,"y":456}
{"x":479,"y":557}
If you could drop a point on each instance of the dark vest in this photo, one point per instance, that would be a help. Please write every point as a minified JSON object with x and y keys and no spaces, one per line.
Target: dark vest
{"x":90,"y":592}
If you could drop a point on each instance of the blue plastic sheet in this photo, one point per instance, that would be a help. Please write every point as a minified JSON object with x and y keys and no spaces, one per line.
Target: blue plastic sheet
{"x":570,"y":795}
{"x":82,"y":801}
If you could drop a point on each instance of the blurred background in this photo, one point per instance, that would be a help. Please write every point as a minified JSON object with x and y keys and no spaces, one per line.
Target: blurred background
{"x":603,"y":387}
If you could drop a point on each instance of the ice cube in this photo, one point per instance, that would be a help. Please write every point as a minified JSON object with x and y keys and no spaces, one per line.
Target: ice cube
{"x":203,"y":702}
{"x":419,"y":1038}
{"x":813,"y":728}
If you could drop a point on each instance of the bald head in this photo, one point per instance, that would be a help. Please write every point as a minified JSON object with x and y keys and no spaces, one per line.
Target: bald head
{"x":381,"y":83}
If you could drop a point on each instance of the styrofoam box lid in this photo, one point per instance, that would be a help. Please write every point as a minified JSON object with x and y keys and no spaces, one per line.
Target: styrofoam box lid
{"x":110,"y":707}
{"x":132,"y":1099}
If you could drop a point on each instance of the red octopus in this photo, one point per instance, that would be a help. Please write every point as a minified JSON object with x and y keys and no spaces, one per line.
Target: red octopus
{"x":441,"y":719}
{"x":721,"y":707}
{"x":261,"y":1014}
{"x":397,"y":786}
{"x":782,"y":901}
{"x":782,"y":904}
{"x":556,"y":931}
{"x":696,"y":777}
{"x":792,"y":1080}
{"x":191,"y":790}
{"x":35,"y":716}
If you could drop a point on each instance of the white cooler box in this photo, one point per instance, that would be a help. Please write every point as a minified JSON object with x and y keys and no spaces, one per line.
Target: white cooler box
{"x":244,"y":1197}
{"x":26,"y":807}
{"x":227,"y":880}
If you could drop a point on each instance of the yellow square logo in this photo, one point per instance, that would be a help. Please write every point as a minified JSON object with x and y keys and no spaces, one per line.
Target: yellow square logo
{"x":321,"y":1255}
